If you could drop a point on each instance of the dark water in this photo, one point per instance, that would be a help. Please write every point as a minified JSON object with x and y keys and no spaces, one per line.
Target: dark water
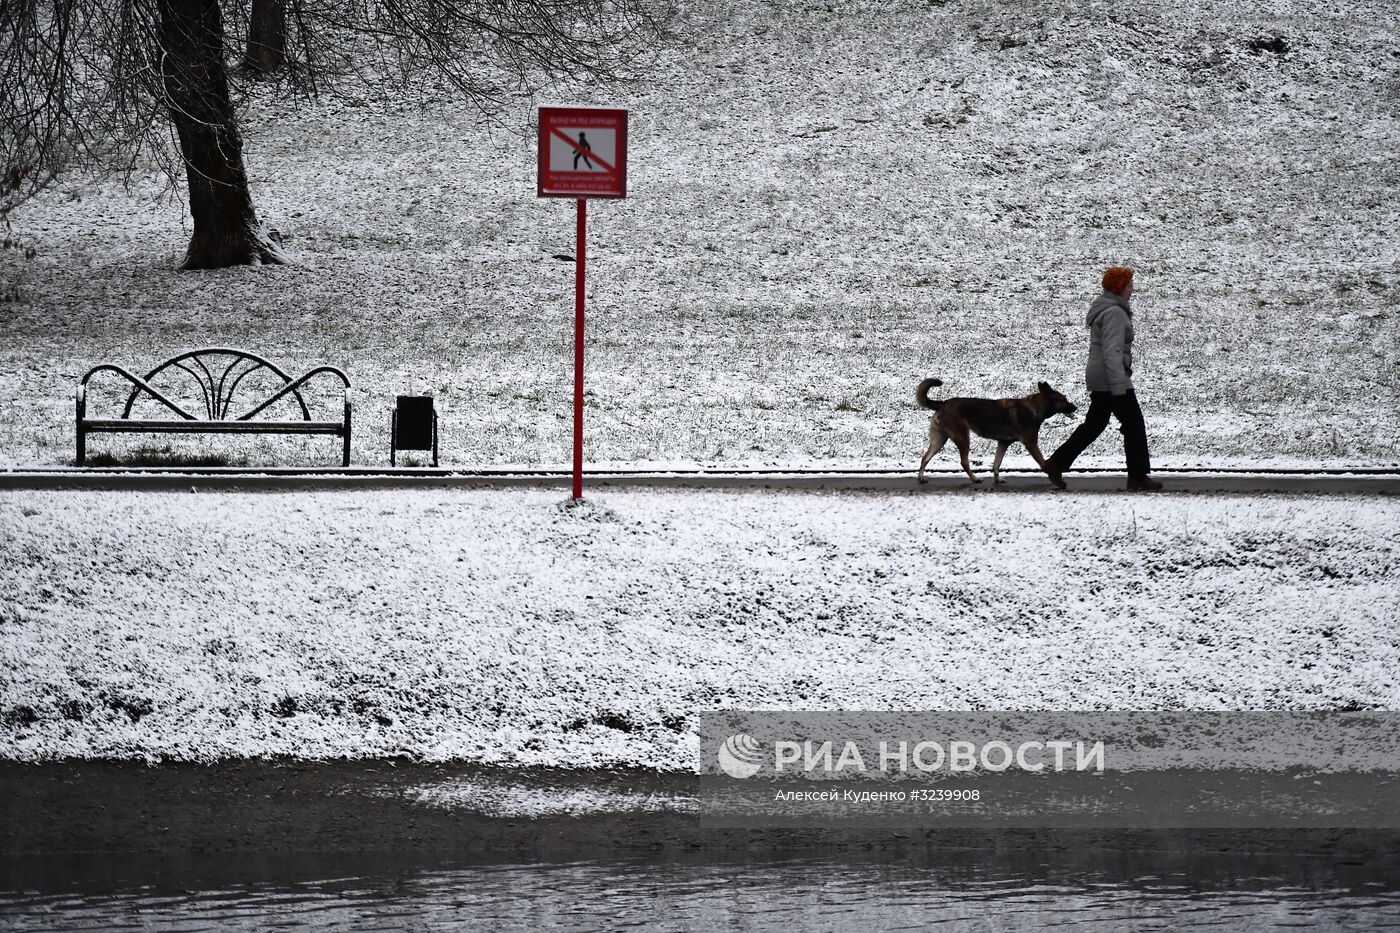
{"x":797,"y":895}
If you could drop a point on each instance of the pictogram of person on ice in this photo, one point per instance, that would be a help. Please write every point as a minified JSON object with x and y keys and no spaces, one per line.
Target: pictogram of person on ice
{"x":582,"y":151}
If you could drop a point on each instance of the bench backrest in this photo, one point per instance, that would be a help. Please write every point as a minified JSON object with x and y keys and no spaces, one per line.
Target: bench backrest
{"x":218,"y":372}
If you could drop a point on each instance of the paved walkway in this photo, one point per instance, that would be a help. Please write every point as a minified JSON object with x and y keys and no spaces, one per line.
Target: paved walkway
{"x":1354,"y":482}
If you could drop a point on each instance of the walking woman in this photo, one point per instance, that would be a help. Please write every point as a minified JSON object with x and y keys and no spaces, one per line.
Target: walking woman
{"x":1109,"y":375}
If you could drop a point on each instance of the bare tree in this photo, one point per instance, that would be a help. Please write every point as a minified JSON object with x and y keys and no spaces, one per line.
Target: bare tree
{"x":115,"y":82}
{"x":226,"y":229}
{"x":87,"y":82}
{"x":267,"y":36}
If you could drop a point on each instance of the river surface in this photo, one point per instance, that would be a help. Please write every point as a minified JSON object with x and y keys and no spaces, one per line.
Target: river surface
{"x":790,"y":895}
{"x":355,"y":845}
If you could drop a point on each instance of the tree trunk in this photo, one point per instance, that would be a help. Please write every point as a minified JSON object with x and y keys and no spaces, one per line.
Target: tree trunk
{"x":226,"y":229}
{"x":267,"y":43}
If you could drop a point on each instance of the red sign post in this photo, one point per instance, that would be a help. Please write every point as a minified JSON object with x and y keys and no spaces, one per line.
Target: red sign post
{"x":582,"y":155}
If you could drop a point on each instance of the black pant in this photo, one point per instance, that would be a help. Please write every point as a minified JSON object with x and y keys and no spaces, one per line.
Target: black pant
{"x":1125,"y":409}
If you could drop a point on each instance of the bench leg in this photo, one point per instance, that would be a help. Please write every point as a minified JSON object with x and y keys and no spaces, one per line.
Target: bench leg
{"x":80,"y":401}
{"x":345,"y":455}
{"x":435,"y":439}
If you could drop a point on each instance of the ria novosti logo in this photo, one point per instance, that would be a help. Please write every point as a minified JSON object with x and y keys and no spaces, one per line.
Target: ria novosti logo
{"x":740,"y":756}
{"x":743,"y":756}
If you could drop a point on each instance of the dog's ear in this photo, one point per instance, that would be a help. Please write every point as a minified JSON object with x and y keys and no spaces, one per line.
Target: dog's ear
{"x":1045,"y":387}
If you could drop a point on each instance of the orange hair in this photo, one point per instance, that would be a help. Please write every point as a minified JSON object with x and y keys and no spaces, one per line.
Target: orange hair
{"x":1116,"y":279}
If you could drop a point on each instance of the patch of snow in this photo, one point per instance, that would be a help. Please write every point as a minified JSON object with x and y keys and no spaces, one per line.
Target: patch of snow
{"x":504,"y":797}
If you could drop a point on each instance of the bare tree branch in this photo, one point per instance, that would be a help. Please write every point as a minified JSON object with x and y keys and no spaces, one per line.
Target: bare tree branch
{"x":116,"y":84}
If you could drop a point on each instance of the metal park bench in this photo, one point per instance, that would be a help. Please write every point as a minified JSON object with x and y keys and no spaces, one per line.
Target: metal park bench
{"x":217,"y":372}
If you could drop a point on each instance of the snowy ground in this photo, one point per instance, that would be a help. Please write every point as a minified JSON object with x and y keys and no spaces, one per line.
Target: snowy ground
{"x":828,"y":202}
{"x":505,"y":627}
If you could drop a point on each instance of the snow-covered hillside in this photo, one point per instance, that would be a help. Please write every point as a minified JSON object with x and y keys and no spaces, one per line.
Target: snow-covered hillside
{"x":828,"y":202}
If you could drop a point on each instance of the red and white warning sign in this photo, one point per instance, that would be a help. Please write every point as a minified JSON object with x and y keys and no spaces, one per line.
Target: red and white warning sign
{"x":583,"y":152}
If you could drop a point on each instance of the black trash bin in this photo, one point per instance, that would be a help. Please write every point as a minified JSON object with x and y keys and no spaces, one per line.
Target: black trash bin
{"x":415,"y":427}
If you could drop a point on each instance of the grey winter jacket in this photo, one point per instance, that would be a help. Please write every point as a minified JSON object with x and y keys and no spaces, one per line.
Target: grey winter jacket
{"x":1110,"y":367}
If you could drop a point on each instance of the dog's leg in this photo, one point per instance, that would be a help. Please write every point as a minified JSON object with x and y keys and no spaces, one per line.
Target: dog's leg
{"x":996,"y":464}
{"x":1034,"y":447}
{"x":963,"y":447}
{"x":936,"y":440}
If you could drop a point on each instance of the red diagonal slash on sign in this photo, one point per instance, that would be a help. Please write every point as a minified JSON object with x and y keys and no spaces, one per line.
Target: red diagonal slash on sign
{"x":611,"y":170}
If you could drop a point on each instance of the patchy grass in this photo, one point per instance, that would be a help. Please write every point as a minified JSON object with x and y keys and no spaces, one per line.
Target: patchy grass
{"x":514,"y":627}
{"x":164,"y":456}
{"x":945,"y":179}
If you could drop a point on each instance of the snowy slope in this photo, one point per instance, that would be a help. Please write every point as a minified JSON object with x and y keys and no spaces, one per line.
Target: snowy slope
{"x":503,"y":626}
{"x":829,"y":201}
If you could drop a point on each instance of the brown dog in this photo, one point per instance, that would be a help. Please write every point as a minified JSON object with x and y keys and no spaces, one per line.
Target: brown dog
{"x":1004,"y":420}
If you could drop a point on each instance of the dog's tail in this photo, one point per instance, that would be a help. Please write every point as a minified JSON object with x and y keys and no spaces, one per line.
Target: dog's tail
{"x":921,"y":394}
